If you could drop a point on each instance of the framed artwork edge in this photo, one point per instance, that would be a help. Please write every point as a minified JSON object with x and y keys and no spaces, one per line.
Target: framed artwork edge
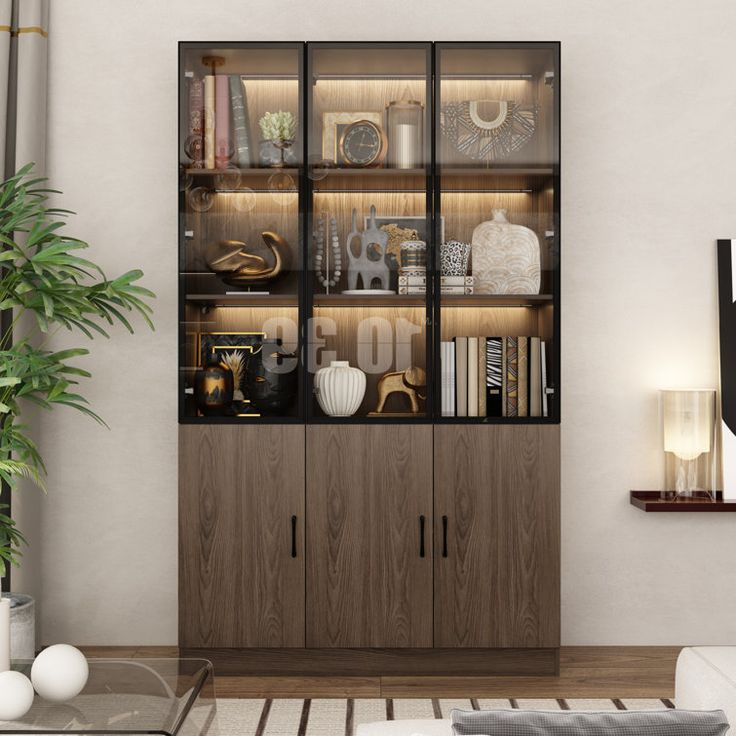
{"x":727,"y":333}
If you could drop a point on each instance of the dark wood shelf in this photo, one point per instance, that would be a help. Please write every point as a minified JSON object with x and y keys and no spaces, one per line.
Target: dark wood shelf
{"x":656,"y":501}
{"x":496,"y":171}
{"x":377,"y":300}
{"x":367,"y":171}
{"x":255,"y":171}
{"x":244,"y":300}
{"x":495,"y":300}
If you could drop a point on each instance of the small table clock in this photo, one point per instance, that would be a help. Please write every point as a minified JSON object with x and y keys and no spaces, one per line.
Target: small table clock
{"x":363,"y":143}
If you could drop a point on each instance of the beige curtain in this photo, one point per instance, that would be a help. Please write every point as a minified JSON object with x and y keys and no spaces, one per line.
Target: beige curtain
{"x":24,"y":35}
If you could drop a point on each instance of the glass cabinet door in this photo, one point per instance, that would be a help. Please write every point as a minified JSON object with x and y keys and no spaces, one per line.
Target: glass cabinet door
{"x":369,"y":231}
{"x":240,"y":236}
{"x":497,"y":219}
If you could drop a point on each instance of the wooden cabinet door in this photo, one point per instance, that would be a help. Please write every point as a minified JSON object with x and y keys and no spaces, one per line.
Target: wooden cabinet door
{"x":241,"y":572}
{"x":497,"y":577}
{"x":368,"y":584}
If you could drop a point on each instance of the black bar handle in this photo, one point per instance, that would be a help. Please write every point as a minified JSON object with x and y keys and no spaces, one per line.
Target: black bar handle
{"x":444,"y":536}
{"x":293,"y":536}
{"x":421,"y":535}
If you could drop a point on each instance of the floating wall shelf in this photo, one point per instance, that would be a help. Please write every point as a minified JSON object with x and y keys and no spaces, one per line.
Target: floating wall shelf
{"x":657,"y":501}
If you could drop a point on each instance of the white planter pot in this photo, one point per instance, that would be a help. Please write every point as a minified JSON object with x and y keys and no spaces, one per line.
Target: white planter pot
{"x":22,"y":626}
{"x":339,"y":388}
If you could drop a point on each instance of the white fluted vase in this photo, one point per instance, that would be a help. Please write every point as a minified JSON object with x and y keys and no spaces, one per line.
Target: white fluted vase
{"x":339,"y":388}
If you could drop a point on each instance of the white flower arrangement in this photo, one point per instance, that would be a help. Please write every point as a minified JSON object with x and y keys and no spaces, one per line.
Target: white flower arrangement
{"x":278,"y":126}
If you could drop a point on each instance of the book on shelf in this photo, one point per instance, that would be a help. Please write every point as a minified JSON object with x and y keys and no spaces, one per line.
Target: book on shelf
{"x":195,"y":131}
{"x":241,"y":130}
{"x":461,"y":376}
{"x":494,"y":379}
{"x":413,"y":290}
{"x":523,"y":377}
{"x":472,"y":376}
{"x":456,"y":281}
{"x":209,"y":121}
{"x":465,"y":290}
{"x":222,"y":121}
{"x":535,"y":377}
{"x":494,"y":376}
{"x":512,"y":377}
{"x":412,"y":280}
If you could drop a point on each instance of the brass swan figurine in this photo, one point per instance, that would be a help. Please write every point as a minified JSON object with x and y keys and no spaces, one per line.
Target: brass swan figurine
{"x":231,"y":260}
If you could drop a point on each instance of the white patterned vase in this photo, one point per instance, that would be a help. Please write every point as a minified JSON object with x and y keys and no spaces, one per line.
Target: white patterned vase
{"x":506,"y":257}
{"x":339,"y":388}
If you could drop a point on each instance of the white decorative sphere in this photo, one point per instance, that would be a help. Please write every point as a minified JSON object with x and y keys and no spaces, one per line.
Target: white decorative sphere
{"x":59,"y":673}
{"x":16,"y":695}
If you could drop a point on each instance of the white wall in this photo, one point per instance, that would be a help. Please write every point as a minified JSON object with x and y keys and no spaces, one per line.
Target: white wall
{"x":649,"y":154}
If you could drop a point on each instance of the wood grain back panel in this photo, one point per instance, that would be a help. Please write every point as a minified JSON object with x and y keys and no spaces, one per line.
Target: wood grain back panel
{"x":239,"y":586}
{"x":498,"y":486}
{"x":367,"y":585}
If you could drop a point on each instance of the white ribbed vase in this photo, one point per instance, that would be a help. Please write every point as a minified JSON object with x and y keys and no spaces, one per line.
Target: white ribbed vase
{"x":339,"y":388}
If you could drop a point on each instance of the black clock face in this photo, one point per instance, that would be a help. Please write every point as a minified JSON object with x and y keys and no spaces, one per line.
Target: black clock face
{"x":362,"y":143}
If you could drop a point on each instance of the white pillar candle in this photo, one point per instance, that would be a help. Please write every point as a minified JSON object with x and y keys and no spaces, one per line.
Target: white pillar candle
{"x":4,"y":634}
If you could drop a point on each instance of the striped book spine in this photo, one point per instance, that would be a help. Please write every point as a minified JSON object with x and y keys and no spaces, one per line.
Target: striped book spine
{"x":494,"y":376}
{"x":512,"y":377}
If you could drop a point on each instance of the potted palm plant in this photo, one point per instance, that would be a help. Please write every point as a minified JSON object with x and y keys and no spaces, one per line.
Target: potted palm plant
{"x":46,"y":286}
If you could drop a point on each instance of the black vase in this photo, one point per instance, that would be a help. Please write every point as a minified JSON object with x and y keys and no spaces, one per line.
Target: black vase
{"x":213,"y":387}
{"x":271,"y":378}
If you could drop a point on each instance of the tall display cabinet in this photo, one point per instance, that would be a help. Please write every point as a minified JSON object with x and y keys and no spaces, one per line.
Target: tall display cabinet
{"x":419,"y":534}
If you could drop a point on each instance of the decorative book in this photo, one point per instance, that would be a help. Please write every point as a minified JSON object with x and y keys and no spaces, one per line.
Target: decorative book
{"x":209,"y":122}
{"x":241,"y":128}
{"x":222,"y":122}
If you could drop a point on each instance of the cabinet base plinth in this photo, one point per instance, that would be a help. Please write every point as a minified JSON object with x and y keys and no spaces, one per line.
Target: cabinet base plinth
{"x":367,"y":662}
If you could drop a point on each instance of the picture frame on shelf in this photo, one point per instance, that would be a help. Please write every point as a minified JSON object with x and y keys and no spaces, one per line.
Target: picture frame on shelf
{"x":226,"y":342}
{"x":334,"y":125}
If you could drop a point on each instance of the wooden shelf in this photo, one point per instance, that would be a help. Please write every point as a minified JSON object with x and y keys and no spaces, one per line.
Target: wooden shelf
{"x":377,"y":300}
{"x":496,"y":171}
{"x":657,"y":501}
{"x":367,"y":171}
{"x":495,"y":300}
{"x":255,"y":171}
{"x":244,"y":300}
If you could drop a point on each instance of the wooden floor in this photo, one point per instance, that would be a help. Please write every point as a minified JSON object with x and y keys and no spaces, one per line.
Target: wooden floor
{"x":585,"y":672}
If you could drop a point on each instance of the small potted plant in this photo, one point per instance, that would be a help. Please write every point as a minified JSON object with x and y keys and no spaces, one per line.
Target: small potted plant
{"x":278,"y":129}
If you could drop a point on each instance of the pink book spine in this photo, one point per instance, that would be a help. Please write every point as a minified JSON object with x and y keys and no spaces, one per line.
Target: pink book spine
{"x":196,"y":123}
{"x":222,"y":121}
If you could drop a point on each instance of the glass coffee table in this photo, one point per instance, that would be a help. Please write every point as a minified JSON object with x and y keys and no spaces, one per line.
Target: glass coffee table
{"x":170,"y":697}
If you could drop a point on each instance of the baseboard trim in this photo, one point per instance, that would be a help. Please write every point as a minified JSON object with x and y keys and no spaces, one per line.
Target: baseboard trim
{"x":371,"y":662}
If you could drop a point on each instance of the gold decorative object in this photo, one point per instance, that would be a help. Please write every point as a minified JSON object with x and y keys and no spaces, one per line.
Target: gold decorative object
{"x":412,"y":382}
{"x":231,"y":260}
{"x":396,"y":236}
{"x":235,"y":361}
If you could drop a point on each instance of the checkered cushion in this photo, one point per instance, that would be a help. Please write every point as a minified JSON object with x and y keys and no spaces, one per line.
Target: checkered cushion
{"x":605,"y":723}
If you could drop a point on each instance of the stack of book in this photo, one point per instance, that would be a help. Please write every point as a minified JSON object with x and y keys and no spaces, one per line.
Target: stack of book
{"x":218,"y":133}
{"x":495,"y":377}
{"x":413,"y":284}
{"x":456,"y":284}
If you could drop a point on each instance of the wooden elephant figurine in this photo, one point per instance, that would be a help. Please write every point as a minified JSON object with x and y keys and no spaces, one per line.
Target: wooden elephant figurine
{"x":412,"y":382}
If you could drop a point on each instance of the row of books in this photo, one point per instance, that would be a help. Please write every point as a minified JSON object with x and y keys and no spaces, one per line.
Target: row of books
{"x":448,"y":284}
{"x":218,"y":129}
{"x":495,"y":377}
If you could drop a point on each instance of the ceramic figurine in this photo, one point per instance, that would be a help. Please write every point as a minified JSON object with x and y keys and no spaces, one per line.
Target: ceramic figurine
{"x":370,"y":263}
{"x":412,"y":382}
{"x":232,"y":262}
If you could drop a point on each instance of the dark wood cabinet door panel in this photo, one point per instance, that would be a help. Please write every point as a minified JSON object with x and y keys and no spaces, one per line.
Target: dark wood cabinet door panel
{"x":239,"y":487}
{"x":497,"y":553}
{"x":367,"y":583}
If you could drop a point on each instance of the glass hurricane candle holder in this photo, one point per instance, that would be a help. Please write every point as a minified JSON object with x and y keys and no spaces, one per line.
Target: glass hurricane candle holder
{"x":688,"y":439}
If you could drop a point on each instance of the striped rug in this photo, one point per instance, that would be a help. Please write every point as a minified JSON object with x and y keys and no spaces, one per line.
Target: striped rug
{"x":340,"y":717}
